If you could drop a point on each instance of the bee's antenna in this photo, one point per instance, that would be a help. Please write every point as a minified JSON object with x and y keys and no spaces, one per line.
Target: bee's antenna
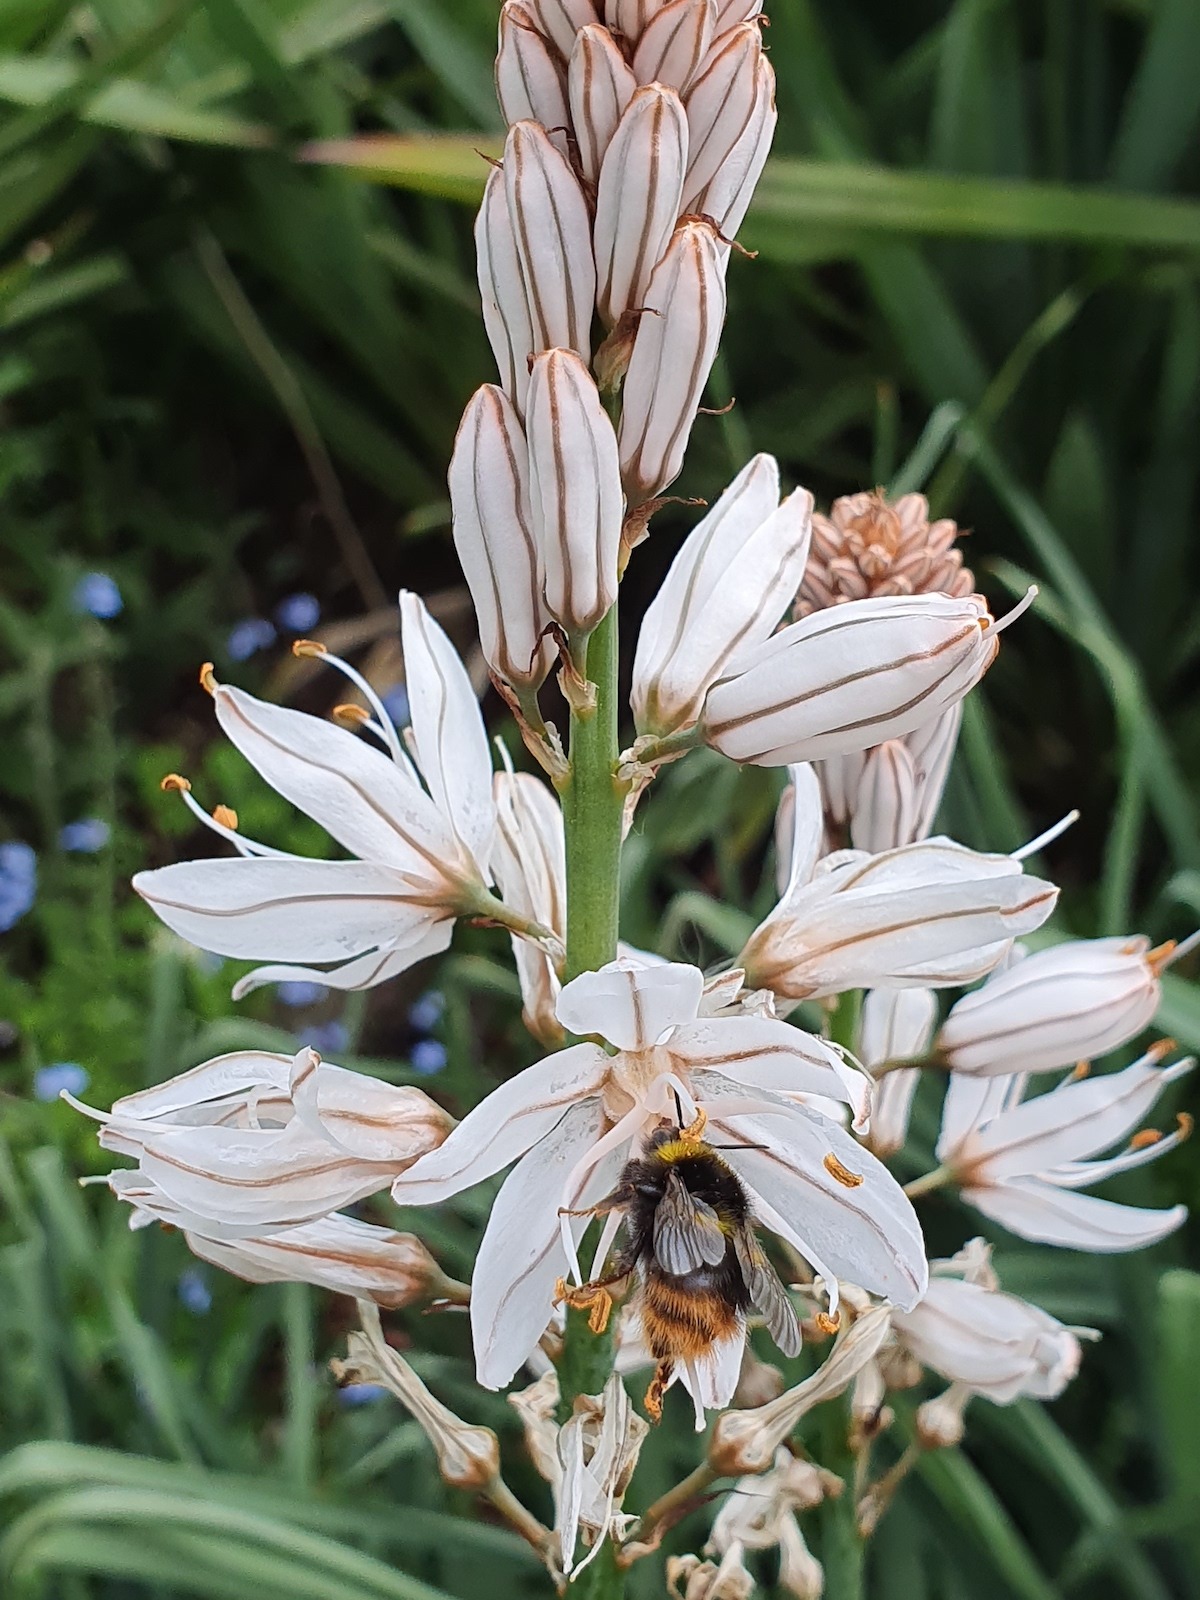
{"x":678,"y":1107}
{"x":739,"y":1147}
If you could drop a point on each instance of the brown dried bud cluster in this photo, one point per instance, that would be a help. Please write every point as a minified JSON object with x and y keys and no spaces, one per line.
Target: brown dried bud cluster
{"x":867,"y":547}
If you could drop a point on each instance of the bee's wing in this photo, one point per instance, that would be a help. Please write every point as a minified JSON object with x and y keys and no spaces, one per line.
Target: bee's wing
{"x":767,"y":1293}
{"x":687,"y":1233}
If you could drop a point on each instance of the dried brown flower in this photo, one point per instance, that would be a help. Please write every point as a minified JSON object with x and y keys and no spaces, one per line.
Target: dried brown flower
{"x":867,"y":547}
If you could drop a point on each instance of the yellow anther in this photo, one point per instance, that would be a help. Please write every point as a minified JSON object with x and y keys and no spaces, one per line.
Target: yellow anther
{"x":208,"y":678}
{"x":844,"y":1176}
{"x":1160,"y":956}
{"x":308,"y":647}
{"x":351,"y":716}
{"x":825,"y":1322}
{"x":1161,"y":1048}
{"x":226,"y":816}
{"x":1082,"y":1068}
{"x":1184,"y":1123}
{"x":174,"y":784}
{"x":1143,"y":1140}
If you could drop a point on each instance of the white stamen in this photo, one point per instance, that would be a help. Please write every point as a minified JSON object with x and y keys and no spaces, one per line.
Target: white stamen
{"x":383,"y":726}
{"x":1043,"y":839}
{"x":1183,"y":948}
{"x":1018,"y":610}
{"x":243,"y":846}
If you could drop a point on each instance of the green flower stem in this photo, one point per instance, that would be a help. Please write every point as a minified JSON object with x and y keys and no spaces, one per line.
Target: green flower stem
{"x":842,"y":1551}
{"x":592,"y":801}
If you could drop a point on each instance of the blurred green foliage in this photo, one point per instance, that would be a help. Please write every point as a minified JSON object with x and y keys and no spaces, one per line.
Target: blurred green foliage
{"x":228,"y":373}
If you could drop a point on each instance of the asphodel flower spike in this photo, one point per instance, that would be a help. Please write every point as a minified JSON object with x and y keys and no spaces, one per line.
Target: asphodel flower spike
{"x":600,"y":84}
{"x":638,"y":198}
{"x":495,"y":539}
{"x":530,"y":84}
{"x":553,"y":236}
{"x":852,"y":676}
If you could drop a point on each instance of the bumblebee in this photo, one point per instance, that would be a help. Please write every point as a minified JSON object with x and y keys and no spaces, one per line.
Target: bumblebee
{"x":689,"y":1237}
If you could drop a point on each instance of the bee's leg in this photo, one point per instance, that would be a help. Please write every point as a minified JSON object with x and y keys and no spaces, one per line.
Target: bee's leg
{"x":611,"y":1202}
{"x":593,"y":1298}
{"x":658,"y":1387}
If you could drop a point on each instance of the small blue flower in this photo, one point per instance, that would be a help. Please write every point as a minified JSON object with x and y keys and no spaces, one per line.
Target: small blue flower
{"x":297,"y":613}
{"x":395,"y":703}
{"x":193,"y":1291}
{"x":86,"y":836}
{"x":49,"y":1082}
{"x":360,"y":1394}
{"x":327,"y":1038}
{"x":98,"y":595}
{"x":300,"y":992}
{"x":428,"y":1056}
{"x":426,"y":1011}
{"x":18,"y":881}
{"x":248,"y":638}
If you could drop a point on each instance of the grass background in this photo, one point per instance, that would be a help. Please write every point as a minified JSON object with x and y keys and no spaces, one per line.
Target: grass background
{"x":228,"y":373}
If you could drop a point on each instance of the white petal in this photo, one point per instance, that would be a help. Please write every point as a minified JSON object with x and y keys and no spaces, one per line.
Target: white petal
{"x":1073,"y":1002}
{"x":632,"y":1006}
{"x":521,"y":1254}
{"x":451,"y":740}
{"x":560,"y":20}
{"x":600,"y":85}
{"x":364,"y":972}
{"x":336,"y":1253}
{"x":712,"y":1377}
{"x":885,"y":807}
{"x":895,"y":1025}
{"x":675,"y":42}
{"x":731,"y":12}
{"x":760,"y":1053}
{"x":807,"y":830}
{"x":932,"y":748}
{"x":502,"y":290}
{"x":867,"y":1233}
{"x":291,"y":910}
{"x":575,"y":486}
{"x":970,"y":1103}
{"x":504,"y":1125}
{"x":638,"y":198}
{"x":727,"y":588}
{"x":237,"y":1073}
{"x":673,"y":350}
{"x":360,"y":797}
{"x":1047,"y":1215}
{"x":553,"y":237}
{"x":1070,"y":1123}
{"x":727,"y":196}
{"x":849,"y":676}
{"x":494,"y":537}
{"x":720,"y":104}
{"x":529,"y":77}
{"x":363,"y":1116}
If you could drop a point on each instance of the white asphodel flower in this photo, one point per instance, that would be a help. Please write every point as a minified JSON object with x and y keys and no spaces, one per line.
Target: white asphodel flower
{"x":422,"y":846}
{"x":253,"y":1142}
{"x":1022,"y":1162}
{"x":895,"y":1025}
{"x":1073,"y":1002}
{"x":572,"y":1121}
{"x":993,"y":1344}
{"x":851,"y":676}
{"x":530,"y":862}
{"x":927,"y":915}
{"x":732,"y":580}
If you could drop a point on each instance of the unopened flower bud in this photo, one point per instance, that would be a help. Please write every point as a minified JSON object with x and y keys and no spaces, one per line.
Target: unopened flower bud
{"x":720,"y":104}
{"x":850,"y":677}
{"x":675,"y":41}
{"x":502,"y":290}
{"x":757,"y":1383}
{"x":494,"y":537}
{"x":727,"y":588}
{"x":530,"y":82}
{"x":731,"y":12}
{"x":690,"y":1578}
{"x":629,"y":17}
{"x":886,"y":805}
{"x":745,"y":1441}
{"x":1073,"y":1002}
{"x":672,"y":353}
{"x":868,"y":547}
{"x":561,"y":20}
{"x":895,"y":1025}
{"x":467,"y":1457}
{"x":800,"y":1573}
{"x":600,"y":84}
{"x":575,"y":486}
{"x":638,"y":198}
{"x":940,"y":1420}
{"x":553,"y":236}
{"x":727,"y":195}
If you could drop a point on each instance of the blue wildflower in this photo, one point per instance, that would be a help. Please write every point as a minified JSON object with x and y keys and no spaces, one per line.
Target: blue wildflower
{"x":18,"y":881}
{"x":86,"y":836}
{"x":98,"y":595}
{"x":327,"y":1038}
{"x":426,"y":1012}
{"x":428,"y":1056}
{"x":300,"y":992}
{"x":247,"y":638}
{"x":360,"y":1394}
{"x":297,"y":613}
{"x":193,"y":1291}
{"x":395,"y":703}
{"x":49,"y":1082}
